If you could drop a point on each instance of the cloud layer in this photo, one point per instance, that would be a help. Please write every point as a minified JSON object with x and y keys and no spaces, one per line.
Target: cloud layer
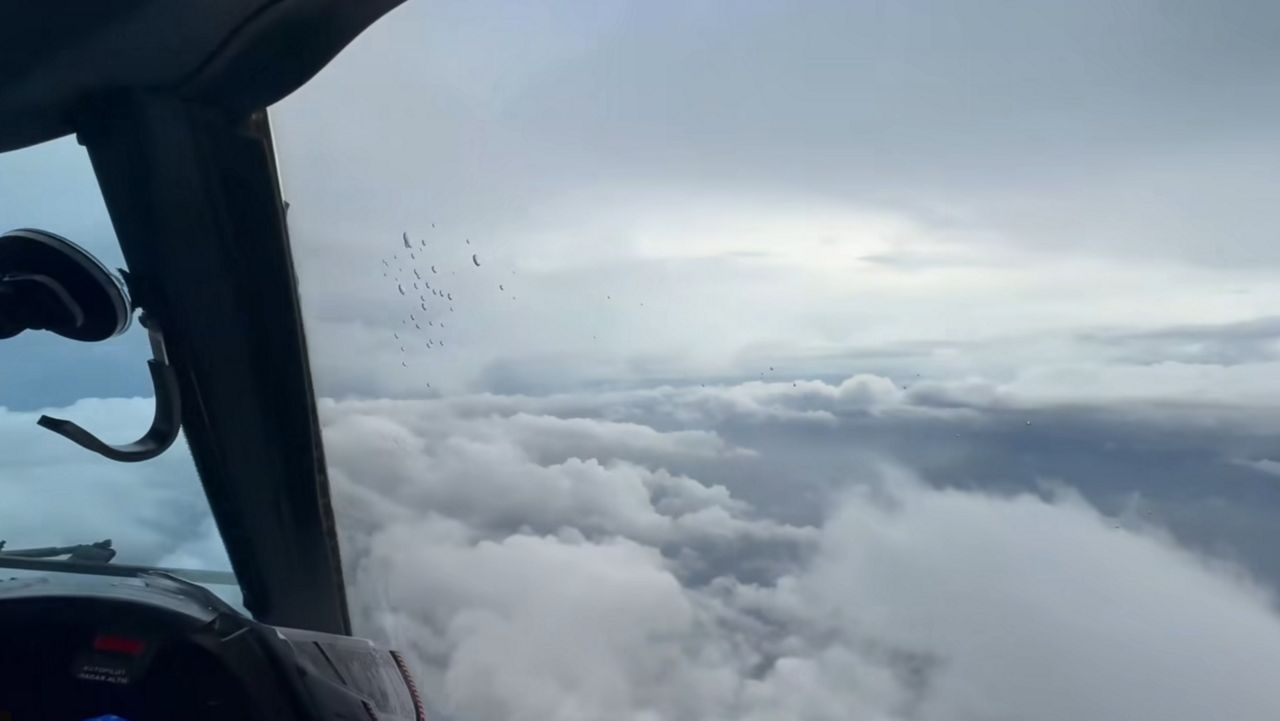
{"x":539,"y":562}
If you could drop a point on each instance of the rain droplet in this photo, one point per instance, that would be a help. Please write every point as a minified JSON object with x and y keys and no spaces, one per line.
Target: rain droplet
{"x":450,"y":309}
{"x":442,"y":342}
{"x":401,"y":287}
{"x":411,"y":317}
{"x":770,"y":367}
{"x":450,"y":296}
{"x":424,"y":306}
{"x":384,"y":262}
{"x":416,"y":274}
{"x":397,"y":335}
{"x":441,"y":324}
{"x":475,"y":260}
{"x":401,"y":349}
{"x":415,"y":325}
{"x":433,"y":269}
{"x":433,"y":225}
{"x":431,"y":322}
{"x":406,"y":365}
{"x":424,"y":242}
{"x":406,"y":240}
{"x":1028,"y":422}
{"x":500,"y":287}
{"x":608,"y":297}
{"x":468,"y":241}
{"x":412,"y":256}
{"x":415,"y":285}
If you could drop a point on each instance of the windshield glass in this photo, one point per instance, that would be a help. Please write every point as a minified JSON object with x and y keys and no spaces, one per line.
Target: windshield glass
{"x":822,"y":360}
{"x":52,"y":492}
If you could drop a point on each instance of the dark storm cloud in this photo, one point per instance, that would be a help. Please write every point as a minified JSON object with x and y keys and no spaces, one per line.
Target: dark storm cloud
{"x":1134,"y":129}
{"x":1222,"y":344}
{"x":1141,"y":130}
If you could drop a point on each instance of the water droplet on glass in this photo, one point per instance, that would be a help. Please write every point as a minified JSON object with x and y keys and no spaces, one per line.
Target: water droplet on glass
{"x":416,"y":274}
{"x":1028,"y":422}
{"x":415,"y":325}
{"x":442,"y":342}
{"x":397,"y":335}
{"x":450,"y":309}
{"x":424,"y":242}
{"x":412,"y":256}
{"x":441,"y":324}
{"x":475,"y":260}
{"x":411,"y":317}
{"x":500,"y":287}
{"x":406,"y":365}
{"x":430,"y":322}
{"x":770,"y":367}
{"x":406,"y":240}
{"x":415,"y":285}
{"x":449,"y":295}
{"x":468,"y":241}
{"x":401,"y":287}
{"x":433,"y":269}
{"x":424,"y":306}
{"x":433,"y":225}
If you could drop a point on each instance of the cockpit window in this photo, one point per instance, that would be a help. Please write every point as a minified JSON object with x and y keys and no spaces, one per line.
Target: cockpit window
{"x":58,"y":500}
{"x":817,"y":360}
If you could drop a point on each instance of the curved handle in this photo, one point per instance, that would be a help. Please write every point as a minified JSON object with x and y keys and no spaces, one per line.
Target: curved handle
{"x":164,"y":425}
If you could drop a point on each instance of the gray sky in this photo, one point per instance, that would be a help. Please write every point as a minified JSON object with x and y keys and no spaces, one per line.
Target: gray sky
{"x":816,"y":361}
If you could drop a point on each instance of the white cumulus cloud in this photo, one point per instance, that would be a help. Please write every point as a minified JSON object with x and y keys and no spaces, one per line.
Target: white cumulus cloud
{"x":527,"y":583}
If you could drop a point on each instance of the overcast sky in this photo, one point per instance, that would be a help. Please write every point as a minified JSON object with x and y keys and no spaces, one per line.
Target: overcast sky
{"x":821,"y":360}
